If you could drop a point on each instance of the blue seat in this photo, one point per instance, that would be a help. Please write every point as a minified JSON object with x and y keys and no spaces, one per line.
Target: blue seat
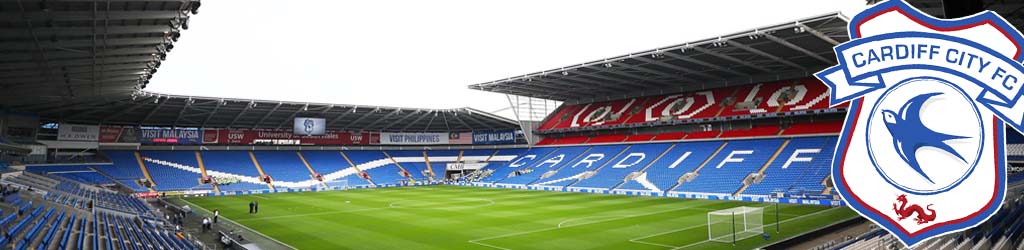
{"x":233,"y":162}
{"x":95,"y":233}
{"x":725,"y":172}
{"x":25,"y":208}
{"x":552,"y":161}
{"x":125,"y":168}
{"x":388,"y":173}
{"x":283,"y":165}
{"x":809,"y":162}
{"x":326,"y":162}
{"x":592,"y":160}
{"x":503,"y":170}
{"x":8,"y":219}
{"x":35,"y":229}
{"x":53,"y":230}
{"x":631,"y":160}
{"x":67,"y":233}
{"x":168,"y":178}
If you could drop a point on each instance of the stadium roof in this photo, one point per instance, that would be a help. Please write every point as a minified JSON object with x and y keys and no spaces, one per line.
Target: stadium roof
{"x":88,"y":61}
{"x":210,"y":112}
{"x":779,"y":52}
{"x":784,"y":51}
{"x":52,"y":51}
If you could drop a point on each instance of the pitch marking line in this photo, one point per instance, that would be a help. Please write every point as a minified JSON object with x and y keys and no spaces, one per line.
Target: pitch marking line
{"x":311,"y":214}
{"x":476,"y":241}
{"x":587,"y":217}
{"x":783,"y":221}
{"x":397,"y":204}
{"x":240,"y":225}
{"x":638,"y":240}
{"x":391,"y":205}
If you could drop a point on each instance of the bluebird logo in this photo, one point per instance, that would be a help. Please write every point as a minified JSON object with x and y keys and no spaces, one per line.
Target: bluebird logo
{"x":910,"y":134}
{"x":308,"y":125}
{"x":922,"y":151}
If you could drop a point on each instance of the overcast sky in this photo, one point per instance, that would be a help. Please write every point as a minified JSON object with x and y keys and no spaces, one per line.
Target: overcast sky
{"x":424,"y":53}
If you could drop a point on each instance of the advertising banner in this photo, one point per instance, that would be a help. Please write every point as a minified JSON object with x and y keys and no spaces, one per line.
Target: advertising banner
{"x":494,"y":137}
{"x":211,"y":136}
{"x":118,"y":134}
{"x":76,"y":132}
{"x":171,"y":136}
{"x":250,"y":136}
{"x":374,"y":138}
{"x":37,"y":149}
{"x":389,"y":138}
{"x":460,"y":138}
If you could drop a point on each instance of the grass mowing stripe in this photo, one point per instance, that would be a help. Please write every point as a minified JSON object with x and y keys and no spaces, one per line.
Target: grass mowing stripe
{"x":639,"y":239}
{"x":364,"y":219}
{"x":581,"y":224}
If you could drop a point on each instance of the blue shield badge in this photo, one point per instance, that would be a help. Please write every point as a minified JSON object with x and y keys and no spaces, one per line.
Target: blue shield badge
{"x":921,"y":153}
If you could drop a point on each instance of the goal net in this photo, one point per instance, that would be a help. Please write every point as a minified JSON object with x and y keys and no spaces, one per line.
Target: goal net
{"x":337,"y":184}
{"x":734,"y":224}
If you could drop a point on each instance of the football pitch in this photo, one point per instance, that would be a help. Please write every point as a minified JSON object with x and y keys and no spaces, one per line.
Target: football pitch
{"x":455,"y":217}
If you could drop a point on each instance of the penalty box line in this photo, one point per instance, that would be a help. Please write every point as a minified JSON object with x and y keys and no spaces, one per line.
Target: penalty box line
{"x":477,"y":241}
{"x":639,"y":240}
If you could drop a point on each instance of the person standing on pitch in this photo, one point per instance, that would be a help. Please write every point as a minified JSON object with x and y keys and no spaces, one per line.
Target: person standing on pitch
{"x":216,"y":214}
{"x":257,"y":207}
{"x":252,"y":205}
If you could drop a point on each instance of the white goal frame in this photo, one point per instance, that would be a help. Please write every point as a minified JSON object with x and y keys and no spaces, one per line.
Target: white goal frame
{"x":735,"y":224}
{"x":339,"y":184}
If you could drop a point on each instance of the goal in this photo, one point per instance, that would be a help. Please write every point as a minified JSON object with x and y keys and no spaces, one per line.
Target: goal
{"x":734,"y":224}
{"x":337,"y":184}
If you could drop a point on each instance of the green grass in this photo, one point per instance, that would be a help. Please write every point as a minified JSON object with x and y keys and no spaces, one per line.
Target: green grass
{"x":453,"y":217}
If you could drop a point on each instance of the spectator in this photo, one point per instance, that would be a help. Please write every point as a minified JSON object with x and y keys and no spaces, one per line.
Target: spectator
{"x":216,"y":214}
{"x":206,"y":224}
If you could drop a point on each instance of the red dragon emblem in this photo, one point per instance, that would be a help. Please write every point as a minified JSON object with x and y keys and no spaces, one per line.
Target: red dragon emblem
{"x":903,"y":211}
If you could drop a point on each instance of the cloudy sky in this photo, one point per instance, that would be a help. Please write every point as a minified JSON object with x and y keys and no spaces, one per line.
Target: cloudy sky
{"x":424,"y":53}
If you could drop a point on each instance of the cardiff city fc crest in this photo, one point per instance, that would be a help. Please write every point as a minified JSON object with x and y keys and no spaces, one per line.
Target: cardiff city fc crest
{"x":922,"y":151}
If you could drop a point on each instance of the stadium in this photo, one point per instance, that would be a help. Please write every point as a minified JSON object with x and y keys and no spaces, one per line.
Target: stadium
{"x":720,"y":143}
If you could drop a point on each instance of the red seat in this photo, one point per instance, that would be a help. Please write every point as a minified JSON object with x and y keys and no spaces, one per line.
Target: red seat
{"x":571,"y":140}
{"x":831,"y":127}
{"x":703,"y":134}
{"x":757,"y":131}
{"x":607,"y":138}
{"x":640,"y":137}
{"x":670,"y":136}
{"x":805,"y":95}
{"x":546,"y":141}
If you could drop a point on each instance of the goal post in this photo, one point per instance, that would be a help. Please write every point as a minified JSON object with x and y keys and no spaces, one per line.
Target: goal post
{"x":735,"y":224}
{"x":339,"y":184}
